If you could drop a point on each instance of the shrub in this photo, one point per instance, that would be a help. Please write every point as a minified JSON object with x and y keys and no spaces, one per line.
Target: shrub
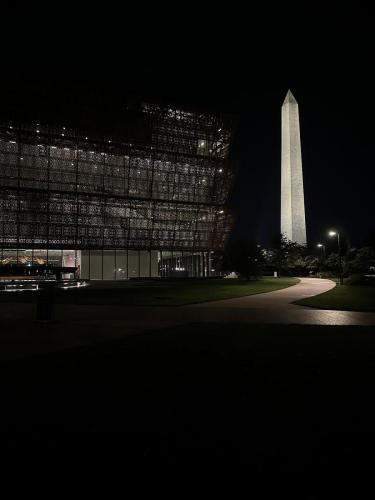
{"x":355,"y":279}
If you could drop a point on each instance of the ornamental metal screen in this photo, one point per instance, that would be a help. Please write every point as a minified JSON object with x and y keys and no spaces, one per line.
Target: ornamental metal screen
{"x":64,"y":189}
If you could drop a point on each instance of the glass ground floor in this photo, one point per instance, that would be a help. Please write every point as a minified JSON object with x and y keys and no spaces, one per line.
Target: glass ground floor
{"x":116,"y":264}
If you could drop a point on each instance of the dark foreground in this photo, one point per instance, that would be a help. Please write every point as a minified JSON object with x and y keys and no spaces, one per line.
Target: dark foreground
{"x":277,"y":398}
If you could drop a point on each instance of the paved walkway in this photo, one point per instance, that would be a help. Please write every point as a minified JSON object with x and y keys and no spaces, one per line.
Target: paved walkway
{"x":78,"y":325}
{"x":278,"y":307}
{"x":307,"y":287}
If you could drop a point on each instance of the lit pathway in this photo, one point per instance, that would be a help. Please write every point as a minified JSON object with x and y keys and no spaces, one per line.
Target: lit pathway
{"x":278,"y":307}
{"x":79,"y":325}
{"x":307,"y":287}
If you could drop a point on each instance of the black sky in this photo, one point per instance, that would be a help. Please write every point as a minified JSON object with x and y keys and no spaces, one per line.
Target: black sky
{"x":84,"y":78}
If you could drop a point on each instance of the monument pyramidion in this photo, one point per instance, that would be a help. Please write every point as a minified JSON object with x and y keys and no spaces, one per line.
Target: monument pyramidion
{"x":293,"y":223}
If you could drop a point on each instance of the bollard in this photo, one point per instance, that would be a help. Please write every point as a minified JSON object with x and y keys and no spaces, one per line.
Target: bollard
{"x":45,"y":302}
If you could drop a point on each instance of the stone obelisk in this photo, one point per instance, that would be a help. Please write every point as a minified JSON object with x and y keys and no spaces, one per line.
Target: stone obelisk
{"x":293,"y":224}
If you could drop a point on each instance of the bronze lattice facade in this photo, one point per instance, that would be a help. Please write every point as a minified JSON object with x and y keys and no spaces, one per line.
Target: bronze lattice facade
{"x":166,"y":191}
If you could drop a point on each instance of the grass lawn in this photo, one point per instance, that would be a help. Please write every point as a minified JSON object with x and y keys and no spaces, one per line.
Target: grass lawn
{"x":344,"y":297}
{"x":159,"y":293}
{"x":284,"y":399}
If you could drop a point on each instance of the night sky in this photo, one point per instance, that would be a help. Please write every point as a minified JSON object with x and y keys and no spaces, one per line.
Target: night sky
{"x":89,"y":81}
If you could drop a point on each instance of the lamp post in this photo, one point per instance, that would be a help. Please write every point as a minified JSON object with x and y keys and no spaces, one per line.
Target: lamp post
{"x":336,"y":233}
{"x":322,"y":260}
{"x":323,"y":247}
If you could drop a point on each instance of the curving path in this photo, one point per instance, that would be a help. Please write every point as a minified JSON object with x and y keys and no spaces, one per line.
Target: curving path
{"x":79,"y":325}
{"x":307,"y":287}
{"x":278,"y":307}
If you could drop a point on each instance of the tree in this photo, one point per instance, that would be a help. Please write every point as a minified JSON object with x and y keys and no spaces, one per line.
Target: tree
{"x":246,"y":258}
{"x":333,"y":263}
{"x":285,"y":255}
{"x":312,"y":263}
{"x":362,"y":261}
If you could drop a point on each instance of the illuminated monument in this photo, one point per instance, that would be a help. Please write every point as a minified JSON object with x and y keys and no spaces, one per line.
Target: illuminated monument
{"x":293,"y":224}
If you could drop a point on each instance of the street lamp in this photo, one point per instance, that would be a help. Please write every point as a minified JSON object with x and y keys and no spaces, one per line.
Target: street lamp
{"x":322,"y":260}
{"x":336,"y":233}
{"x":323,"y":247}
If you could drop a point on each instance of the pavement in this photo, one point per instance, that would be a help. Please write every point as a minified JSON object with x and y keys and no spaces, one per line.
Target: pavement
{"x":78,"y":325}
{"x":307,"y":287}
{"x":278,"y":307}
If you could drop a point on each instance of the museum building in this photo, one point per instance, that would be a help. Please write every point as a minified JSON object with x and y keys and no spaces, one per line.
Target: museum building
{"x":151,"y":202}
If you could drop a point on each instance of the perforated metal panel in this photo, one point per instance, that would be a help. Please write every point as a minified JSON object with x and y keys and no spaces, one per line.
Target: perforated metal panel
{"x":61,"y":189}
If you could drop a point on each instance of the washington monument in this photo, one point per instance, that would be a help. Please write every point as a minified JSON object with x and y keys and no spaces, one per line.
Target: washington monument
{"x":293,"y":224}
